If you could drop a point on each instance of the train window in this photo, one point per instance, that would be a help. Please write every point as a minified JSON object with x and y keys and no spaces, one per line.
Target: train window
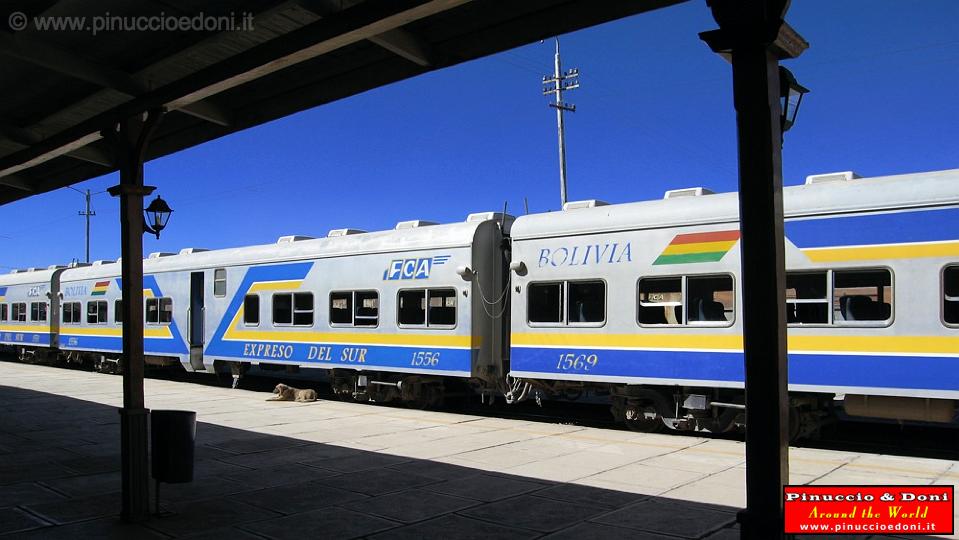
{"x":293,"y":308}
{"x":118,"y":310}
{"x":219,"y":282}
{"x":710,"y":300}
{"x":442,"y":307}
{"x":587,"y":302}
{"x":159,"y":310}
{"x":862,"y":296}
{"x":302,"y":309}
{"x":251,"y":309}
{"x":807,"y":298}
{"x":544,"y":302}
{"x":412,"y":307}
{"x":283,"y":308}
{"x":166,"y":310}
{"x":950,"y":297}
{"x":97,"y":312}
{"x":152,"y":307}
{"x":341,"y":308}
{"x":661,"y":301}
{"x":19,"y":312}
{"x":367,"y":305}
{"x":38,"y":311}
{"x":4,"y":312}
{"x":71,"y":312}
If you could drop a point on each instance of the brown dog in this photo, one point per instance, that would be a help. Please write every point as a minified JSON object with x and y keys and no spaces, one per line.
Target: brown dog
{"x":288,"y":393}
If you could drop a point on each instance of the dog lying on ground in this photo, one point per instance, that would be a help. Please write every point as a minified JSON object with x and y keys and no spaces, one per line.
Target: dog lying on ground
{"x":288,"y":393}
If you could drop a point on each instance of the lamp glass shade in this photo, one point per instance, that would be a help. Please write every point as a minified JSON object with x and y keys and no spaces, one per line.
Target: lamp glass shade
{"x":158,"y":214}
{"x":790,"y":95}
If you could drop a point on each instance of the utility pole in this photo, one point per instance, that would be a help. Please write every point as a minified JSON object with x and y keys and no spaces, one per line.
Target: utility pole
{"x":556,"y":84}
{"x":88,"y":213}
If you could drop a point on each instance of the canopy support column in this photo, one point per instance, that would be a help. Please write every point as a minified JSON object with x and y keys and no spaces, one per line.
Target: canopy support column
{"x":130,"y":138}
{"x":754,"y":37}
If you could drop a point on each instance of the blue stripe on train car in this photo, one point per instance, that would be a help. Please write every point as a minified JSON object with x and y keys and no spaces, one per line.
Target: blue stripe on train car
{"x":888,"y":228}
{"x":25,"y":338}
{"x":350,"y":355}
{"x":866,"y":371}
{"x":115,"y":344}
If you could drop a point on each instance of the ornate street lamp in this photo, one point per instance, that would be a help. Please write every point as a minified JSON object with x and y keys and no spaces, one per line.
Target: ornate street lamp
{"x":790,"y":95}
{"x":157,"y":215}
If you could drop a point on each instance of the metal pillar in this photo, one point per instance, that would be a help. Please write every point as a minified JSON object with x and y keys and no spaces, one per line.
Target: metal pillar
{"x":130,"y":140}
{"x":754,"y":37}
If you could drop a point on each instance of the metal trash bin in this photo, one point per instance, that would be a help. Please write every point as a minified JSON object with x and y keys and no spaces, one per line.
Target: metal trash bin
{"x":173,"y":436}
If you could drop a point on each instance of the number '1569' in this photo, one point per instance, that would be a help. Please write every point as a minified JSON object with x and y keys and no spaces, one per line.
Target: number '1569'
{"x":576,"y":362}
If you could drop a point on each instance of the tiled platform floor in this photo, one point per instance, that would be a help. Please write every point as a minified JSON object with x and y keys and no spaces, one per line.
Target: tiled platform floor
{"x":338,"y":470}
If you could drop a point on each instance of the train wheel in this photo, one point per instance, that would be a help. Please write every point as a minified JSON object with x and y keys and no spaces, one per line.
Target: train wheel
{"x":642,"y":415}
{"x":643,"y":418}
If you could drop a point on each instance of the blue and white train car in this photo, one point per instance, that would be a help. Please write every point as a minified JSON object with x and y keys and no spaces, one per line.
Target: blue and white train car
{"x":90,"y":324}
{"x":392,"y":314}
{"x":26,"y":310}
{"x":643,"y":300}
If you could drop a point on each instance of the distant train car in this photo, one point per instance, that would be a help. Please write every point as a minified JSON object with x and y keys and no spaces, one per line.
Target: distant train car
{"x":643,"y":301}
{"x":91,"y":327}
{"x":28,"y":307}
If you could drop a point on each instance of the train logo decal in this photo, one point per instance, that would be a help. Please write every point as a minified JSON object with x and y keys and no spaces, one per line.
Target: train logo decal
{"x":413,"y":268}
{"x":698,"y":247}
{"x":100,"y":288}
{"x":608,"y":253}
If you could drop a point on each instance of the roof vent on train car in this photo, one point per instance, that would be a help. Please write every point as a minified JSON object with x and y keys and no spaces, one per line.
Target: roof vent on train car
{"x":413,"y":224}
{"x":487,"y":216}
{"x":78,"y":264}
{"x":55,"y":267}
{"x":15,"y":271}
{"x":187,"y":251}
{"x":343,"y":232}
{"x":31,"y":269}
{"x":290,"y":238}
{"x":158,"y":254}
{"x":688,"y":192}
{"x":843,"y":176}
{"x":591,"y":203}
{"x":101,"y":262}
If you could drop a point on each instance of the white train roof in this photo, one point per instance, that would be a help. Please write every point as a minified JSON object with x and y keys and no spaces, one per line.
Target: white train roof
{"x":836,"y":193}
{"x":407,"y":236}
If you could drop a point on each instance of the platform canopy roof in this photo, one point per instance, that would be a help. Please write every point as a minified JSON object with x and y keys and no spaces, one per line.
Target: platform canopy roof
{"x":60,"y":89}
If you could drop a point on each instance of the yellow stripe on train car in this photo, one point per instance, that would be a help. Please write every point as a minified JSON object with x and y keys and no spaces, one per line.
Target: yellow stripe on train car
{"x":940,"y":345}
{"x":886,"y":251}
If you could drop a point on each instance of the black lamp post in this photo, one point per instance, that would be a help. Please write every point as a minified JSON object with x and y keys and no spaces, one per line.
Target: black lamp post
{"x":157,"y":215}
{"x":790,"y":96}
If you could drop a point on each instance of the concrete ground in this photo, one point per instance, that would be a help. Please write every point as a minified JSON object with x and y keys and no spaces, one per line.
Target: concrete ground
{"x":338,"y":470}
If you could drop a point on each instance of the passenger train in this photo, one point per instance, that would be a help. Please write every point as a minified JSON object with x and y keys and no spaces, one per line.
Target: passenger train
{"x":639,"y":304}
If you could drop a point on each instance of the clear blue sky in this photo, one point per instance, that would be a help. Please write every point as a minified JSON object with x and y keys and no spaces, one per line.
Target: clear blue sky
{"x":654,"y":113}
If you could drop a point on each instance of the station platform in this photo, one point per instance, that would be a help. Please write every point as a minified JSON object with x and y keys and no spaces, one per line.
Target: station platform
{"x":330,"y":469}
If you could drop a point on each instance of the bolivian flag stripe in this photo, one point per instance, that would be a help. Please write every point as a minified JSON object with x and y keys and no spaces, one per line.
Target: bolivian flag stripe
{"x":100,"y":288}
{"x":698,"y":247}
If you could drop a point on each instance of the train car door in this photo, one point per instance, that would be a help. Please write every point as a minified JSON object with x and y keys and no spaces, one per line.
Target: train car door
{"x":196,"y":316}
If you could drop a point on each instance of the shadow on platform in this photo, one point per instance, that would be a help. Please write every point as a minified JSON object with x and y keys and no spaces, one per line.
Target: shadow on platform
{"x":59,"y":478}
